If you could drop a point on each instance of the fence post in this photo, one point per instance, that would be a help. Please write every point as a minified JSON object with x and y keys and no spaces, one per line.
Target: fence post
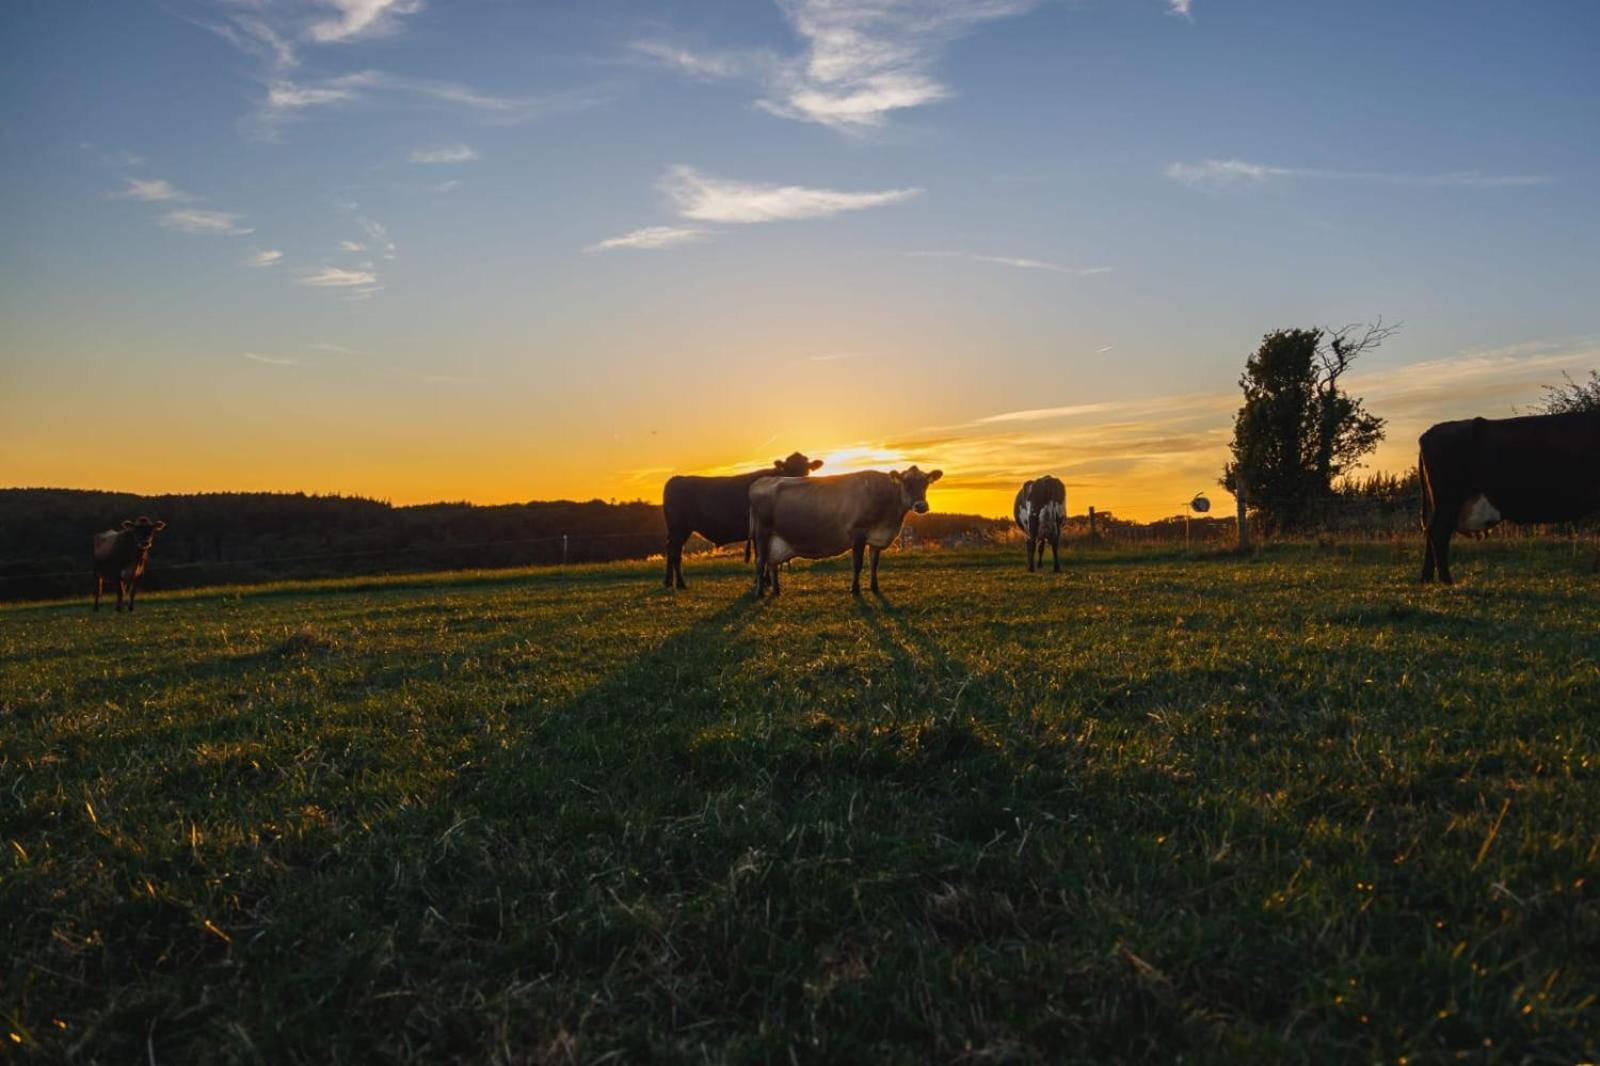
{"x":1239,"y":495}
{"x":1092,"y":533}
{"x":563,"y":549}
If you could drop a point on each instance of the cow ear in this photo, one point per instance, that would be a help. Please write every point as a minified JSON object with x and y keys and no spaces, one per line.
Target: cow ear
{"x":934,"y":475}
{"x":777,"y":464}
{"x":127,"y":523}
{"x":160,"y":526}
{"x":815,"y":463}
{"x":894,"y":476}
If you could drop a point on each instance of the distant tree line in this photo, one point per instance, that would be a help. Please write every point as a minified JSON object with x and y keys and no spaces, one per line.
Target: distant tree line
{"x":243,"y":537}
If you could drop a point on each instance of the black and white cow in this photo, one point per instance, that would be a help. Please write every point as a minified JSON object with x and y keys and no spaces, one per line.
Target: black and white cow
{"x":121,"y":555}
{"x":1040,"y":510}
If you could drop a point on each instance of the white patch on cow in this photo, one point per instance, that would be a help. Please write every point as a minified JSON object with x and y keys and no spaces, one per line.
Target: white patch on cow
{"x":1051,"y":516}
{"x":104,"y":543}
{"x":1477,"y":515}
{"x":780,"y":550}
{"x":1025,"y":507}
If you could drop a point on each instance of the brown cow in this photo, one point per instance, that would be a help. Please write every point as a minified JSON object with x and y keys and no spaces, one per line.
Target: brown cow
{"x":717,"y":508}
{"x":1479,"y":471}
{"x":818,"y":517}
{"x":120,"y":556}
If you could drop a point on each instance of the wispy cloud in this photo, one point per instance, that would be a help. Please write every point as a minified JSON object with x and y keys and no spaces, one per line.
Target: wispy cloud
{"x":269,"y":257}
{"x":446,"y":153}
{"x":211,"y":223}
{"x":288,"y":99}
{"x":152,"y":191}
{"x":352,"y":246}
{"x":255,"y":36}
{"x":1181,"y":8}
{"x":709,"y":199}
{"x":1237,"y":173}
{"x":361,"y":18}
{"x":708,"y":66}
{"x":284,"y":96}
{"x":652,"y":238}
{"x":272,"y":360}
{"x":337,"y":278}
{"x":1012,"y":261}
{"x":860,"y":60}
{"x":446,"y":186}
{"x":338,"y":349}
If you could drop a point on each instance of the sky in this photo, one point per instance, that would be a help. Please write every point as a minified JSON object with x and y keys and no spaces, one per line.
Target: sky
{"x":496,"y":251}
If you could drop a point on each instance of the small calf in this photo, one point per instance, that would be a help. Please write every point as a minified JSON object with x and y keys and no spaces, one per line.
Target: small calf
{"x":120,"y":556}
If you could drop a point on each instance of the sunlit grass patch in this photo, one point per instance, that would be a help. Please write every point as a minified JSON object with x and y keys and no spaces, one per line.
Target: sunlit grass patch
{"x":1285,"y":806}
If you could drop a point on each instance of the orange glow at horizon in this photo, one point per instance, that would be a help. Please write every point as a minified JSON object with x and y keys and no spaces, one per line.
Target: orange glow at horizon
{"x":1137,"y":459}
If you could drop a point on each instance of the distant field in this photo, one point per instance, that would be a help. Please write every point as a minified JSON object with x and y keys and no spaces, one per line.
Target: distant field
{"x":1294,"y":807}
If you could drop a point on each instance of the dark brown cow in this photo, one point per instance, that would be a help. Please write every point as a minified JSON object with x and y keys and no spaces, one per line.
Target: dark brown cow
{"x":824,"y":516}
{"x":1479,"y":471}
{"x":717,"y":508}
{"x":1040,"y":509}
{"x":120,"y":556}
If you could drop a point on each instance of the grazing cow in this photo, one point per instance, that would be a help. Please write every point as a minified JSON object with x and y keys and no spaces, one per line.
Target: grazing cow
{"x":717,"y":508}
{"x":1040,"y":509}
{"x":824,"y":516}
{"x":120,"y":556}
{"x":1480,"y":471}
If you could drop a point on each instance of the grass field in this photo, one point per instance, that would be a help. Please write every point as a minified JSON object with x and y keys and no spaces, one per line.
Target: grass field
{"x":1294,"y":807}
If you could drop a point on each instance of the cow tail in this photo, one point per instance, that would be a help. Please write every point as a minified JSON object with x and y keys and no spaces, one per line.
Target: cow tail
{"x":1425,"y":489}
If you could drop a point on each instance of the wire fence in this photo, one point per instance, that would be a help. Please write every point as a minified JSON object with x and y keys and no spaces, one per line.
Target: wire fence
{"x":1104,"y":530}
{"x":547,"y":550}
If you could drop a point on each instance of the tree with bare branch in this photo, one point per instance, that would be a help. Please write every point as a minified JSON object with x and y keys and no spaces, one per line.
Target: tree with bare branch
{"x":1298,"y":429}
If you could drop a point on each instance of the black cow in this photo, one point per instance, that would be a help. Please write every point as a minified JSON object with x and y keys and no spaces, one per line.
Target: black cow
{"x":717,"y":508}
{"x":120,"y":556}
{"x":1479,"y":471}
{"x":1040,"y":510}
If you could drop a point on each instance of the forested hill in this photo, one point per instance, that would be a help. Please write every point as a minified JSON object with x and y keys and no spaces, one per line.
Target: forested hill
{"x":232,"y":537}
{"x":228,"y":537}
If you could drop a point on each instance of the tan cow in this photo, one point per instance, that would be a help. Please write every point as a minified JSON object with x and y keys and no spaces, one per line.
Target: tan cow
{"x":816,"y":517}
{"x":120,"y":557}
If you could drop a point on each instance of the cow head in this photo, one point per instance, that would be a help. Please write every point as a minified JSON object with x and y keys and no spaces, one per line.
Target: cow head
{"x":144,"y":531}
{"x":796,"y":465}
{"x":913,"y":485}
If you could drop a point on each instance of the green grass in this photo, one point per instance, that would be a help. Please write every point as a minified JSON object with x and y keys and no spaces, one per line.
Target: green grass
{"x":1294,"y":807}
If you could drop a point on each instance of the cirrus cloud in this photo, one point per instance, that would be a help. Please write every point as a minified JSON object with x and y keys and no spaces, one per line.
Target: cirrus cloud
{"x":447,"y":153}
{"x":652,"y":238}
{"x":710,"y":199}
{"x":330,"y":277}
{"x":209,"y":223}
{"x":1237,"y":173}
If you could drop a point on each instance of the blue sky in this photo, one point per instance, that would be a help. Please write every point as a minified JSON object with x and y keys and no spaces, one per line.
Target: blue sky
{"x":498,"y":250}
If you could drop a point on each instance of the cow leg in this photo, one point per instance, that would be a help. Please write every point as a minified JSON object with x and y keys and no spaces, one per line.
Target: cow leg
{"x":1055,"y":552}
{"x":1438,"y":549}
{"x":1031,"y":543}
{"x":876,"y":552}
{"x":858,"y":551}
{"x":133,"y":587}
{"x":120,"y":587}
{"x":676,"y":540}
